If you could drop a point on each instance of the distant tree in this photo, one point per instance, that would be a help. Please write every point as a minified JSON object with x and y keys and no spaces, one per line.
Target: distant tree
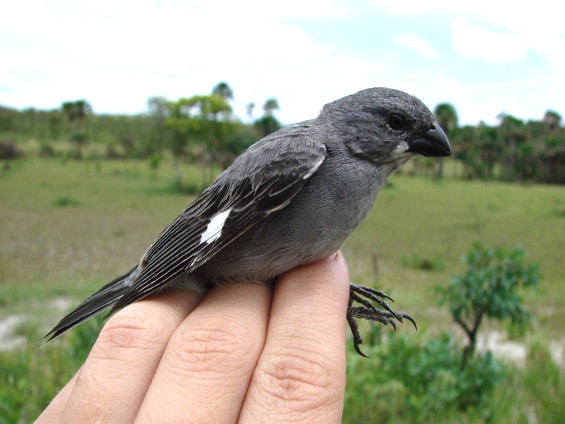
{"x":158,"y":111}
{"x":488,"y":149}
{"x":157,"y":106}
{"x":270,"y":106}
{"x":249,"y":107}
{"x":552,"y":151}
{"x":553,"y":120}
{"x":448,"y":120}
{"x":268,"y":124}
{"x":462,"y":140}
{"x":56,"y":124}
{"x":446,"y":116}
{"x":223,"y":90}
{"x":184,"y":129}
{"x":77,"y":111}
{"x":200,"y":120}
{"x":514,"y":132}
{"x":241,"y":138}
{"x":8,"y":119}
{"x":479,"y":148}
{"x":216,"y":115}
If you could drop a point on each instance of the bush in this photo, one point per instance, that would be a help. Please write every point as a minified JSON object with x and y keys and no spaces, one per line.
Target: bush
{"x":9,"y":150}
{"x":46,"y":150}
{"x":112,"y":152}
{"x":424,"y":264}
{"x":489,"y":288}
{"x":417,"y":380}
{"x":63,"y":201}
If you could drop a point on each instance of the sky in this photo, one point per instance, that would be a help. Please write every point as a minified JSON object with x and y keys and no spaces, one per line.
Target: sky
{"x":484,"y":56}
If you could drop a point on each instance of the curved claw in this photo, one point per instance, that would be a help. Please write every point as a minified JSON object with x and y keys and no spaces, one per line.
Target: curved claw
{"x":409,"y":318}
{"x":359,"y":351}
{"x":386,"y":296}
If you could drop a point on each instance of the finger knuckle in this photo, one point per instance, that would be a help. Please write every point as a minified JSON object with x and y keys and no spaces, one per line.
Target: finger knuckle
{"x":303,"y":381}
{"x":133,"y":329}
{"x":209,"y":346}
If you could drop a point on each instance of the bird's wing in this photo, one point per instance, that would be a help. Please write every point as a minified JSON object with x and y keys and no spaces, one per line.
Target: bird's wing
{"x":262,"y":180}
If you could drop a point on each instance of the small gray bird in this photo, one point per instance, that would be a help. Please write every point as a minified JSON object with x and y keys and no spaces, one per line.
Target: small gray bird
{"x":290,"y":199}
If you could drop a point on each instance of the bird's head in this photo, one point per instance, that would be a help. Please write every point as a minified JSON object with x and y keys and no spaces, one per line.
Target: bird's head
{"x":383,"y":125}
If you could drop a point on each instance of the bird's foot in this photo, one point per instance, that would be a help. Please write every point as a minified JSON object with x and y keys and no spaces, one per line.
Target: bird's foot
{"x":364,"y":296}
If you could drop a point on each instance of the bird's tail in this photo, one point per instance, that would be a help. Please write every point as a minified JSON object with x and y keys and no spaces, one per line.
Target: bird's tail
{"x":98,"y":302}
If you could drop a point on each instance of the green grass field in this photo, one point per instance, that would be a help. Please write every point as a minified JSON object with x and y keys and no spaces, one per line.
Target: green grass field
{"x":66,"y":228}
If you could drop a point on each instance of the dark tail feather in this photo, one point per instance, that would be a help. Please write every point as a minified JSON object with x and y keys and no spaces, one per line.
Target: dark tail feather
{"x":98,"y":302}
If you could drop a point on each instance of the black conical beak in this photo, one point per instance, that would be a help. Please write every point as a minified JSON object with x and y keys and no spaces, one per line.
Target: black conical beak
{"x":432,"y":143}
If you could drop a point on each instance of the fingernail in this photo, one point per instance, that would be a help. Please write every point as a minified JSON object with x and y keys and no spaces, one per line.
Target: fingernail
{"x":333,"y":257}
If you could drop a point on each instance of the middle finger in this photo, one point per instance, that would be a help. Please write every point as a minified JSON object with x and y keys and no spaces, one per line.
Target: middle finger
{"x":207,"y":366}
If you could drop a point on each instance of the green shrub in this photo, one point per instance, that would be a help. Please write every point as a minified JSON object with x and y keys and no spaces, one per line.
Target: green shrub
{"x":46,"y":150}
{"x":63,"y":201}
{"x":489,"y":288}
{"x":9,"y":150}
{"x":417,"y":379}
{"x":424,"y":264}
{"x":155,"y":162}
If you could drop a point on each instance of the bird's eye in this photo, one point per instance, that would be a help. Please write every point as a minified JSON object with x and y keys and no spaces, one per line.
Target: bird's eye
{"x":396,"y":121}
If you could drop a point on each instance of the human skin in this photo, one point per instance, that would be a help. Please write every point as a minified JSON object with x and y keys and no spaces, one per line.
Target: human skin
{"x":244,"y":353}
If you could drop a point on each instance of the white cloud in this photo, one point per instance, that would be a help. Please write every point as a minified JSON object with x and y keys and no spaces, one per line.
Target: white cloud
{"x":450,"y":88}
{"x":268,"y":10}
{"x":538,"y":24}
{"x":499,"y":10}
{"x":415,"y":42}
{"x":480,"y":42}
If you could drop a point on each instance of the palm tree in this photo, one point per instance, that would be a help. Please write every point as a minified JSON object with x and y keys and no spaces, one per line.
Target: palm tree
{"x":270,"y":106}
{"x":553,"y":120}
{"x":513,"y":132}
{"x":268,"y":123}
{"x":249,"y":107}
{"x":223,"y":90}
{"x":76,"y":112}
{"x":158,"y":111}
{"x":448,"y":120}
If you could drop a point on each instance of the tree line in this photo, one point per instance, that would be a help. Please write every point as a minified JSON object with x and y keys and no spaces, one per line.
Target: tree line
{"x":512,"y":150}
{"x":204,"y":129}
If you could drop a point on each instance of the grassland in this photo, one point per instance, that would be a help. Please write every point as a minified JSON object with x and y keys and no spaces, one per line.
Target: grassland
{"x":68,"y":227}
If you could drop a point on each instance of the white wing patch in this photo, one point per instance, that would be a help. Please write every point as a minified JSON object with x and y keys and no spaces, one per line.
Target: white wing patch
{"x":314,"y":169}
{"x":214,"y":228}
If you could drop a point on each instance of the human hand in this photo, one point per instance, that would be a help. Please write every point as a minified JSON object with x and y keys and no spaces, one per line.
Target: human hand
{"x":246,"y":352}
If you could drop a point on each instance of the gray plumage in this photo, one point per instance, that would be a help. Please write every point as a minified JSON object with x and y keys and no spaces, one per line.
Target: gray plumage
{"x":290,"y":199}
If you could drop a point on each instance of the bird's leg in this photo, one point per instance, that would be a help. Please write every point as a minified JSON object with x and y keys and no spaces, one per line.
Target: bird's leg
{"x":364,"y":296}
